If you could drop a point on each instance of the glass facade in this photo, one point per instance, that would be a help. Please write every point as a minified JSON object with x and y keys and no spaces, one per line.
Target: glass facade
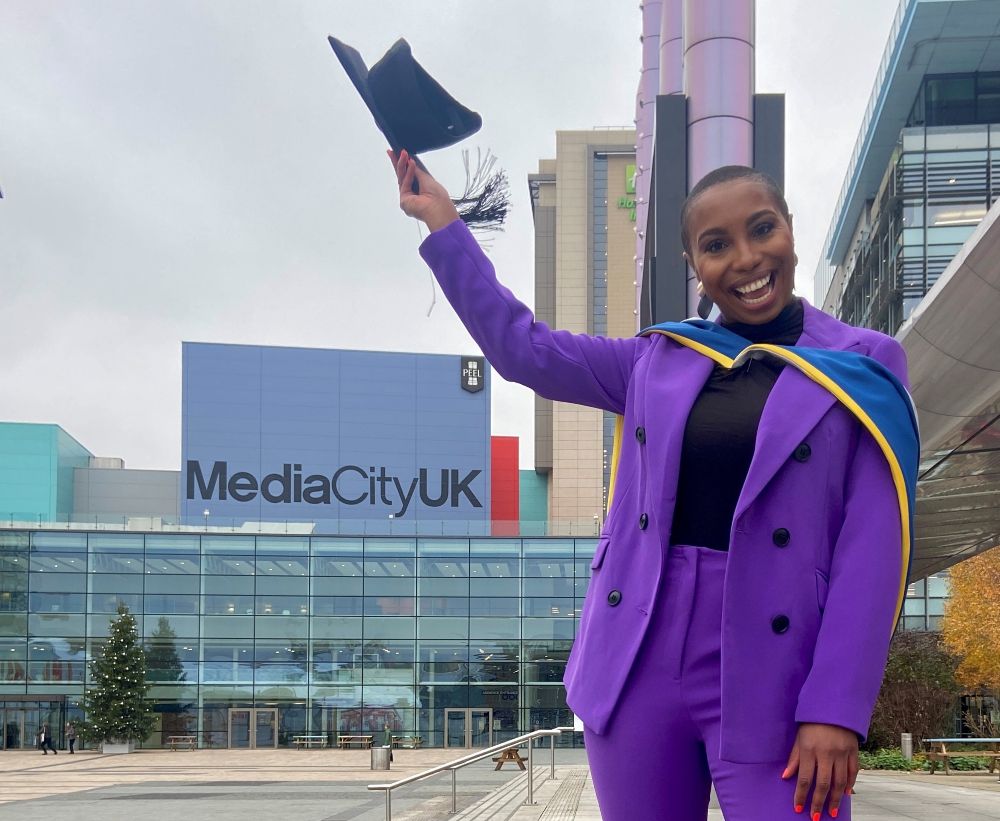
{"x":940,"y":183}
{"x":254,"y":639}
{"x":923,"y":607}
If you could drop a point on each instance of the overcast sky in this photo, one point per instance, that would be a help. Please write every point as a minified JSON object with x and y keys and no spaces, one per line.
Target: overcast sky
{"x":203,"y":170}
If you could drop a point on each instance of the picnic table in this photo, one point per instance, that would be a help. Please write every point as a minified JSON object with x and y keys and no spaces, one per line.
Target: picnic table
{"x":511,"y":755}
{"x":412,"y":741}
{"x":345,"y":741}
{"x":942,"y":754}
{"x":174,"y":740}
{"x":301,"y":741}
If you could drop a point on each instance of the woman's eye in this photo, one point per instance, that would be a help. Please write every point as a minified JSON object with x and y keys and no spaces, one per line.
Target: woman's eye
{"x":714,"y":246}
{"x":763,"y":229}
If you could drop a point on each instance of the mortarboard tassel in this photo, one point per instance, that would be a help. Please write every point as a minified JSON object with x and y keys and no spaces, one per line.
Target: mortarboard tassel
{"x":485,"y":202}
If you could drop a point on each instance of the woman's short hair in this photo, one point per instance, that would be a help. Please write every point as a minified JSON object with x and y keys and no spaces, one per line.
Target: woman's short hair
{"x":729,"y":173}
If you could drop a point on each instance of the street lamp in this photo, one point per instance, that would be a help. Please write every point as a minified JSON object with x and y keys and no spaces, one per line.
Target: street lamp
{"x":206,"y":513}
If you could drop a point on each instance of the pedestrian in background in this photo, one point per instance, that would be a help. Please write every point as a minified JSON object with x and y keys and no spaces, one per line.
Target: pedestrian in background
{"x":45,"y":740}
{"x":70,"y":736}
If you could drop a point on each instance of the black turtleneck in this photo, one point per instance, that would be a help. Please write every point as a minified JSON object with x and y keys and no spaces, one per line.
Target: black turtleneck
{"x":720,"y":434}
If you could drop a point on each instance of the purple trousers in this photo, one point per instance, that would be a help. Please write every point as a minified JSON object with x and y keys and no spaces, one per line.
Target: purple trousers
{"x":660,"y":754}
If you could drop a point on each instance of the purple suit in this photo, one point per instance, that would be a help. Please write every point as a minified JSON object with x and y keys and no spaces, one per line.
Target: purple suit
{"x":834,"y":581}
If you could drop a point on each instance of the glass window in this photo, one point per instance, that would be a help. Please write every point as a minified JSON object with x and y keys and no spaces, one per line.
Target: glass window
{"x":483,"y":628}
{"x":390,"y":547}
{"x":913,"y":607}
{"x":336,"y":566}
{"x":57,"y":602}
{"x":281,"y":605}
{"x":224,"y":545}
{"x":218,"y":605}
{"x":172,"y":584}
{"x":457,"y":587}
{"x":496,"y":607}
{"x":337,"y":586}
{"x":333,"y":546}
{"x":509,"y":549}
{"x":336,"y":605}
{"x":282,"y":566}
{"x":441,"y":628}
{"x":228,"y":585}
{"x":50,"y":542}
{"x":172,"y":563}
{"x":281,"y":585}
{"x":169,"y":603}
{"x":913,"y":213}
{"x":952,"y":214}
{"x":937,"y":585}
{"x":233,"y":564}
{"x":493,"y":587}
{"x":390,"y":627}
{"x":950,"y":100}
{"x":443,"y":605}
{"x":43,"y":561}
{"x":458,"y":548}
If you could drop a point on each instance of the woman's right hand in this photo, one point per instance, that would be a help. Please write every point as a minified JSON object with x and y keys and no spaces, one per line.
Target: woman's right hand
{"x":431,"y":204}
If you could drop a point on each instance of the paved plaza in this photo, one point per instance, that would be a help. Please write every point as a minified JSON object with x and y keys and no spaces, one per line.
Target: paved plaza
{"x":330,"y":785}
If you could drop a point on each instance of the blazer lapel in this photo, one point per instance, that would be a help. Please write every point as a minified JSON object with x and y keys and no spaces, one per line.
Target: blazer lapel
{"x":669,"y":400}
{"x":794,"y":407}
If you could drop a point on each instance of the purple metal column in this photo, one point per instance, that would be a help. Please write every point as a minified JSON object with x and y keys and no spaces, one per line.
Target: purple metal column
{"x":645,"y":107}
{"x":719,"y":83}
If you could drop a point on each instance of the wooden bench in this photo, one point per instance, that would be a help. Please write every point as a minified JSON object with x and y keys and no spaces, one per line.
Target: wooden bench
{"x":301,"y":741}
{"x":942,"y":754}
{"x":345,"y":741}
{"x":174,"y":740}
{"x":511,"y":754}
{"x":410,"y":741}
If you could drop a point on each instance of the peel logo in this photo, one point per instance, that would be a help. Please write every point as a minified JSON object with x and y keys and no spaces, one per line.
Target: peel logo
{"x":472,"y":373}
{"x":348,"y":485}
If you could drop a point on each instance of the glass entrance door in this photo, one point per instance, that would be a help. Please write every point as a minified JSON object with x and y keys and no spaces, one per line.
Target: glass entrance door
{"x":19,"y":728}
{"x":265,"y":728}
{"x":471,"y":727}
{"x":240,"y":729}
{"x":251,"y":729}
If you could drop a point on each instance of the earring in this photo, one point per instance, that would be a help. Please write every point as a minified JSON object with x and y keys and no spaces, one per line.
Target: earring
{"x":700,"y":289}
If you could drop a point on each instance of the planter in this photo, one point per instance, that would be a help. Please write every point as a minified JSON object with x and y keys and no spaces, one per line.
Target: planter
{"x":117,"y":747}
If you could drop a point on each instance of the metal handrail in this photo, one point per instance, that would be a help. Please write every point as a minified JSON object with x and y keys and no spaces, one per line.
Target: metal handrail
{"x":471,"y":758}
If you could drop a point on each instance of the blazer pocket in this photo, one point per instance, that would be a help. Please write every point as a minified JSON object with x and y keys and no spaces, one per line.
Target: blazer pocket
{"x":822,"y":589}
{"x":602,"y":548}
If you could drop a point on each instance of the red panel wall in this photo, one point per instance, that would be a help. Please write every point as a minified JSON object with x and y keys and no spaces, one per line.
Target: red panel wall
{"x":505,"y":493}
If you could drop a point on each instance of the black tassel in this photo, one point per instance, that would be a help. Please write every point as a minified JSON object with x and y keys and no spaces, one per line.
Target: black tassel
{"x":485,"y":202}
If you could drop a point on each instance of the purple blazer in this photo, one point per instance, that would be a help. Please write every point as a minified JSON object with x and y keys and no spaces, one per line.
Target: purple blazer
{"x":836,"y":579}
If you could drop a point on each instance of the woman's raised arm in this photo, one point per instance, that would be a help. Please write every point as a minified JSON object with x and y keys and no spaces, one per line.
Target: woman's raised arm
{"x":568,"y":367}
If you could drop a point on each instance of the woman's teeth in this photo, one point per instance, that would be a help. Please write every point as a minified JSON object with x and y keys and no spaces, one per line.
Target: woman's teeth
{"x":744,"y":291}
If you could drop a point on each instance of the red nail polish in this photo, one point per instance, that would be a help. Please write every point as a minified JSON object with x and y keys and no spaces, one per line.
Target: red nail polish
{"x":799,"y":808}
{"x":833,"y":812}
{"x":815,"y":816}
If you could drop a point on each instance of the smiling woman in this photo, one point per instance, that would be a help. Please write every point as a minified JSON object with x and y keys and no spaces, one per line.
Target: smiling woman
{"x":741,"y":483}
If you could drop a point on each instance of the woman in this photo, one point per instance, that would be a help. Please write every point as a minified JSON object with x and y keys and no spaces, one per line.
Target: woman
{"x":746,"y":583}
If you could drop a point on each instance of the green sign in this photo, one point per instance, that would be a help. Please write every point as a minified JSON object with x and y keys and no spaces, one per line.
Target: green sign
{"x":630,"y":178}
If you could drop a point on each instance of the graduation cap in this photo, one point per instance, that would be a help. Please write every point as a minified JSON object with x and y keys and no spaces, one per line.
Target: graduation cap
{"x":414,"y":112}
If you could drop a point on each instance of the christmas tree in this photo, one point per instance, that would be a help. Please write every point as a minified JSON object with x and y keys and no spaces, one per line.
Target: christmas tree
{"x":116,"y":706}
{"x":162,"y":661}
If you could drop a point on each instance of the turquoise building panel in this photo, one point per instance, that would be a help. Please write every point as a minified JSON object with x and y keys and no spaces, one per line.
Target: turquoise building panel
{"x":534,"y":500}
{"x":36,"y":471}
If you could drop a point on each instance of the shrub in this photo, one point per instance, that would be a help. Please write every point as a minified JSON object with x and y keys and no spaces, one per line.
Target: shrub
{"x":918,"y":692}
{"x":886,"y":759}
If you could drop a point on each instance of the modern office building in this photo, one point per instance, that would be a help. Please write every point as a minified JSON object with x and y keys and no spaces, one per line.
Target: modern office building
{"x":584,"y":209}
{"x":344,"y":547}
{"x":915,"y":212}
{"x":926,"y":166}
{"x":253,"y":639}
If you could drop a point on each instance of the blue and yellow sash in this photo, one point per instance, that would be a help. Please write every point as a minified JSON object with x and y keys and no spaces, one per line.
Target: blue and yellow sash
{"x":869,"y":390}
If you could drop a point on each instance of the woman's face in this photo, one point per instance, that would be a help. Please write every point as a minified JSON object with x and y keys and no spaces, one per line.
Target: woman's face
{"x":742,"y":250}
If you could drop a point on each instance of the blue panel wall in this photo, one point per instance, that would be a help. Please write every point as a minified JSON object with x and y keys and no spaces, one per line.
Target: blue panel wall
{"x":297,"y":434}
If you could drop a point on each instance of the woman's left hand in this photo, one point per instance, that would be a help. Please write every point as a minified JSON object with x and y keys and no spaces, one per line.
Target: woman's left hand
{"x":827,"y":755}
